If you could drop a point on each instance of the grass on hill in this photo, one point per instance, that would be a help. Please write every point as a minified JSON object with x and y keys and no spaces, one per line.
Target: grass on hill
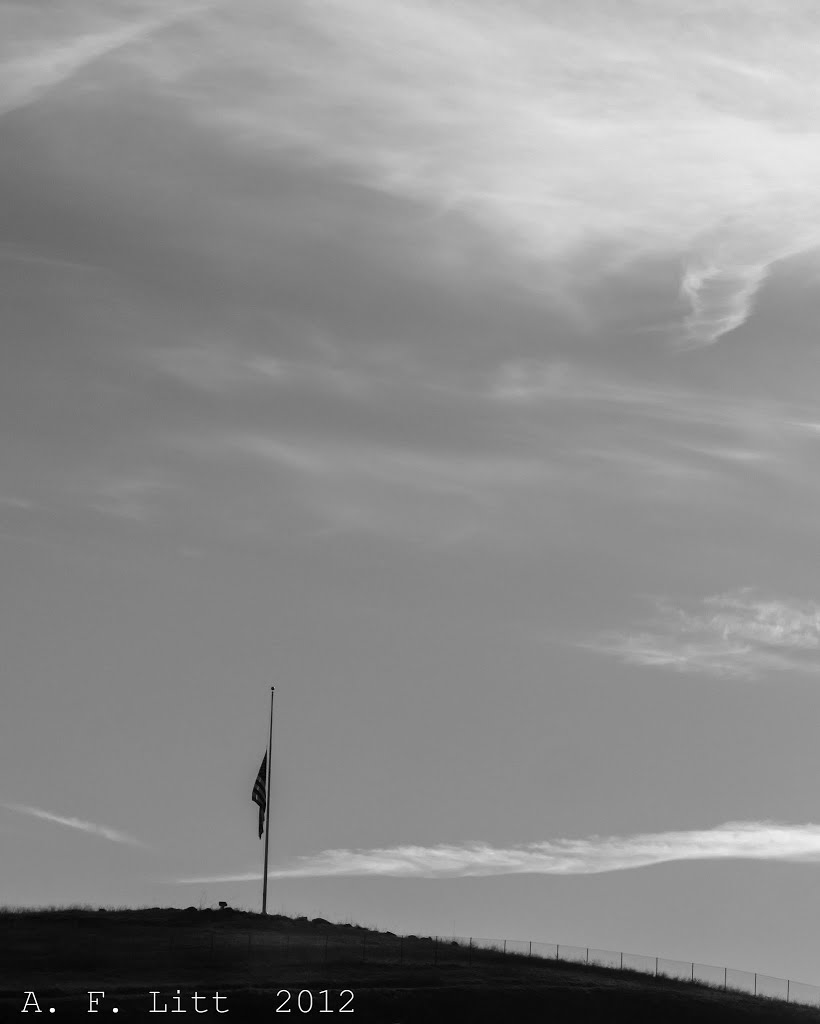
{"x":254,"y":962}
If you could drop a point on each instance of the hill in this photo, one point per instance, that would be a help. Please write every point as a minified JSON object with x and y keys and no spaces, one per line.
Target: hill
{"x":257,"y":966}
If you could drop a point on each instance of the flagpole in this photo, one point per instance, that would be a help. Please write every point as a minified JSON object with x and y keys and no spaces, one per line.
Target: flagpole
{"x":267,"y":809}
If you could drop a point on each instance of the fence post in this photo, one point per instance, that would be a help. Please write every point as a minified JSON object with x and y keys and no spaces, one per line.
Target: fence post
{"x":622,"y":961}
{"x":693,"y":972}
{"x":656,"y":967}
{"x":725,"y":971}
{"x":505,"y":945}
{"x":755,"y":984}
{"x":587,"y":954}
{"x":530,"y":948}
{"x":788,"y":985}
{"x":556,"y":950}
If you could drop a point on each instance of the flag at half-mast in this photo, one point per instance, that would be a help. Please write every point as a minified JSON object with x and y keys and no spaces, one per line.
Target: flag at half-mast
{"x":260,"y":792}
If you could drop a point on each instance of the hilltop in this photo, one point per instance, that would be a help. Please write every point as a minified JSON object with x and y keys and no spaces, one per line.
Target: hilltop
{"x":254,"y":961}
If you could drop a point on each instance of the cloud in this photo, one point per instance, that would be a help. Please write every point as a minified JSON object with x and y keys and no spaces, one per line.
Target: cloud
{"x":738,"y":635}
{"x":19,"y":254}
{"x":568,"y":132}
{"x":39,"y":52}
{"x":750,"y":840}
{"x":721,"y":280}
{"x":225,"y":367}
{"x":103,"y":831}
{"x":414,"y":493}
{"x":10,"y":501}
{"x":657,"y":433}
{"x":545,"y":384}
{"x":579,"y":137}
{"x":458,"y":473}
{"x":530,"y":432}
{"x":720,"y":297}
{"x":130,"y":498}
{"x":209,"y":367}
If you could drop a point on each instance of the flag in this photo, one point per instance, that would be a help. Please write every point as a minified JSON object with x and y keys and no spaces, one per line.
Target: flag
{"x":259,"y":792}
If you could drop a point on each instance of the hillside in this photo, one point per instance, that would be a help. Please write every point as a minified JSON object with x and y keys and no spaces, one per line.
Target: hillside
{"x":253,"y":962}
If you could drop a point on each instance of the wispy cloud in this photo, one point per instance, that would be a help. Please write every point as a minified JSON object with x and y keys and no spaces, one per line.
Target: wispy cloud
{"x":13,"y":502}
{"x":720,"y":297}
{"x":545,"y":383}
{"x":224,"y":367}
{"x":467,"y":474}
{"x":211,"y":367}
{"x":131,"y":498}
{"x":725,"y":273}
{"x":655,"y":430}
{"x":40,"y":51}
{"x":738,"y":634}
{"x":750,"y":840}
{"x":541,"y":427}
{"x":565,"y":130}
{"x":103,"y":831}
{"x":30,"y":257}
{"x":383,"y":488}
{"x":646,"y":133}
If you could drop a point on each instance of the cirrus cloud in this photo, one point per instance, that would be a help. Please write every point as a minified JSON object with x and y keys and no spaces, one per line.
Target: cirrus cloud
{"x":738,"y":634}
{"x":578,"y":136}
{"x":749,"y":840}
{"x":649,"y":130}
{"x":113,"y":835}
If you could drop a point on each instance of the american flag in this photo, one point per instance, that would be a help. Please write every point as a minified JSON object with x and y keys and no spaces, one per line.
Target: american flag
{"x":259,"y":792}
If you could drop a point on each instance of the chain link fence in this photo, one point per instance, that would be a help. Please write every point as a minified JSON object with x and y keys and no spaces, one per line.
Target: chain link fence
{"x":727,"y":978}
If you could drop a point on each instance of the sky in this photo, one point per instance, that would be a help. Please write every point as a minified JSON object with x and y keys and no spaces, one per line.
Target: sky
{"x":452,"y":368}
